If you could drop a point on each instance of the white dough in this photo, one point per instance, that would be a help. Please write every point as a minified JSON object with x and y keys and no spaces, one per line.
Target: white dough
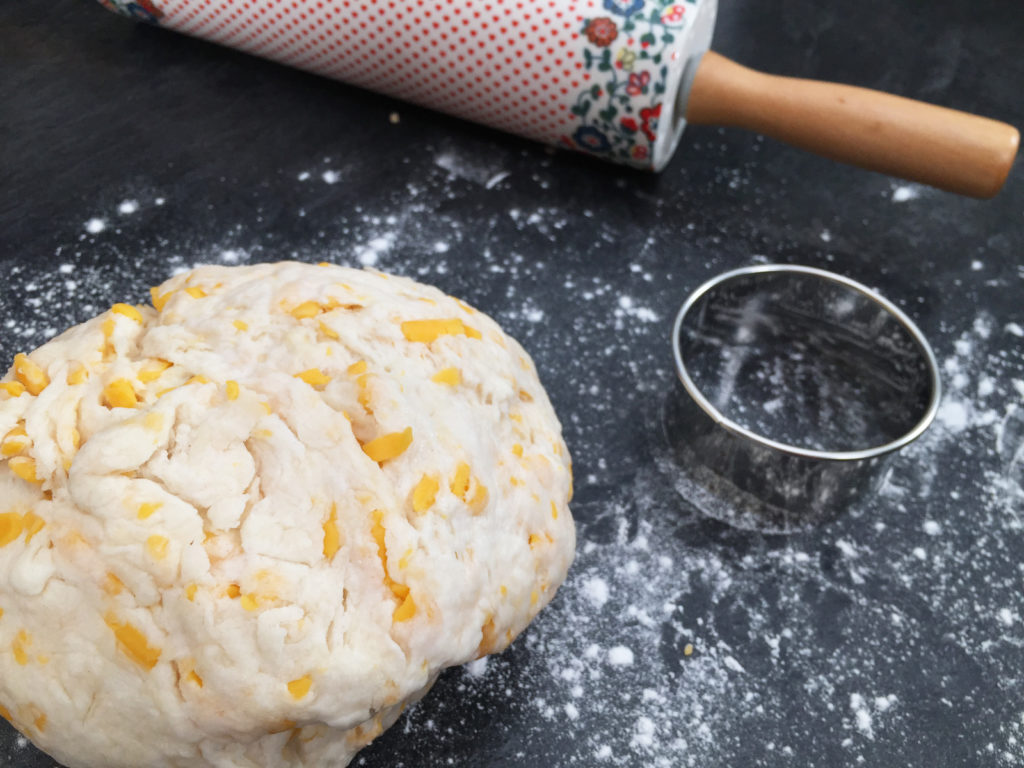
{"x":207,"y":559}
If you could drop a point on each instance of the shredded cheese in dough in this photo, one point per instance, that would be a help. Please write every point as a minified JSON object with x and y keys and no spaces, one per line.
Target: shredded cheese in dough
{"x":236,"y":502}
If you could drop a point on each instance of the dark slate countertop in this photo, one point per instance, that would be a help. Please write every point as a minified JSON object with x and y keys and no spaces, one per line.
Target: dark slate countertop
{"x":893,"y":635}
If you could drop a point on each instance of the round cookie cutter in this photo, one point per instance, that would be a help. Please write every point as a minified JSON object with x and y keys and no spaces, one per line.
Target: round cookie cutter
{"x":800,"y":386}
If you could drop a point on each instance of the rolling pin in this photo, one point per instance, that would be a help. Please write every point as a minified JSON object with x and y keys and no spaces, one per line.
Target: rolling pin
{"x":618,"y":79}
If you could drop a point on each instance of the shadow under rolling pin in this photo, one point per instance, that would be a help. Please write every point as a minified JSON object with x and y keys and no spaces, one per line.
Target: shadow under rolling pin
{"x":614,"y":78}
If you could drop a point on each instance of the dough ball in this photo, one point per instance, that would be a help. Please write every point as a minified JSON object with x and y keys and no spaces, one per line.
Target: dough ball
{"x":247,"y":527}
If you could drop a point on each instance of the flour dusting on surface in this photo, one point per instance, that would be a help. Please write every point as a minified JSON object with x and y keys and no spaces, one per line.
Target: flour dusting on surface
{"x":677,"y":641}
{"x":904,"y":192}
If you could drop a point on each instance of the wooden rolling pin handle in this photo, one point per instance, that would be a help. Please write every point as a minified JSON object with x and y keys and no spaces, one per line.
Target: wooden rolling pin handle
{"x":921,"y":142}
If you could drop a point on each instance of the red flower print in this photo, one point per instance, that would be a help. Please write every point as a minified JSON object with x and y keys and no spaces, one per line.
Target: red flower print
{"x":673,"y":14}
{"x":638,"y":82}
{"x":647,"y":115}
{"x":150,"y":8}
{"x":602,"y":31}
{"x":630,"y":41}
{"x":648,"y":112}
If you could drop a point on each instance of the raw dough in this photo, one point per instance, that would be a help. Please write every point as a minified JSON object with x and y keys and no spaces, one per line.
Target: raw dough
{"x":247,"y":527}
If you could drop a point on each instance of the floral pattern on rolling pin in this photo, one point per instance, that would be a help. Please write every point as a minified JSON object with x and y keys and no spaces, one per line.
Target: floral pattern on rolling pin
{"x":598,"y":76}
{"x":626,"y":53}
{"x":142,"y":10}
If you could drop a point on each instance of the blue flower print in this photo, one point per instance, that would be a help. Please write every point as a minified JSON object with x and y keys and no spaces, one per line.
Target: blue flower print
{"x":624,"y":7}
{"x":591,"y":139}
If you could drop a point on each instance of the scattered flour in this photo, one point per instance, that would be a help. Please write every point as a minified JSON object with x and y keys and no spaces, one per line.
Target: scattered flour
{"x":595,"y":589}
{"x":676,"y":642}
{"x":460,"y":165}
{"x":644,"y":733}
{"x":861,"y":715}
{"x":628,"y":308}
{"x":368,"y":255}
{"x":620,"y":656}
{"x":885,"y":703}
{"x":496,"y":179}
{"x":905,"y":192}
{"x":953,"y":415}
{"x":732,"y":664}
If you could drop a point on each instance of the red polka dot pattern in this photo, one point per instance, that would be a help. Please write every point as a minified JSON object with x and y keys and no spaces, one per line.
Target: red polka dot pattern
{"x":592,"y":75}
{"x":511,"y":64}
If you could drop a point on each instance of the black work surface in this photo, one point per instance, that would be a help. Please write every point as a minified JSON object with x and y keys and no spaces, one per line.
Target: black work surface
{"x":891,"y":636}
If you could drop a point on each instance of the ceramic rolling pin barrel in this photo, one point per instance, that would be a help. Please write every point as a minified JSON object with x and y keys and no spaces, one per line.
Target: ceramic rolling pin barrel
{"x":615,"y":78}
